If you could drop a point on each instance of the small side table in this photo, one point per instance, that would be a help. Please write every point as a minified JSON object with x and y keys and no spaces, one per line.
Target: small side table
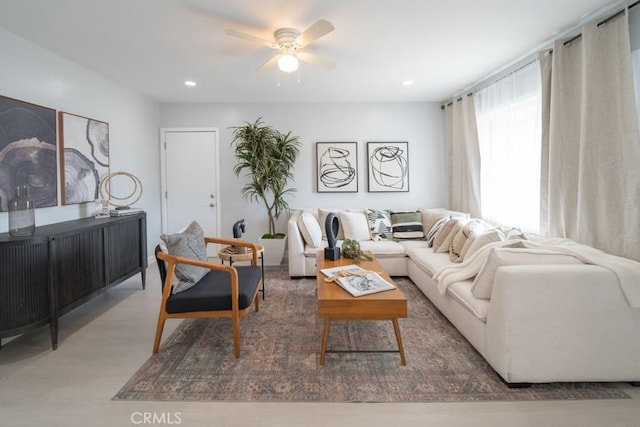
{"x":231,"y":254}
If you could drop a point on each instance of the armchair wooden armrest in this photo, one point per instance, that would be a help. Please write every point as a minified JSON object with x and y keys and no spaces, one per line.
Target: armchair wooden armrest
{"x":225,"y":291}
{"x":235,"y":242}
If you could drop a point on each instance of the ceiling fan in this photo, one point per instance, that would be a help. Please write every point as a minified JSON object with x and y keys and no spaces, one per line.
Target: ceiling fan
{"x":290,"y":44}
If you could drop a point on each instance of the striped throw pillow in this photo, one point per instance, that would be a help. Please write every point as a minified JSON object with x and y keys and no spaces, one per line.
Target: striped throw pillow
{"x":407,"y":226}
{"x":431,"y":234}
{"x":379,"y":224}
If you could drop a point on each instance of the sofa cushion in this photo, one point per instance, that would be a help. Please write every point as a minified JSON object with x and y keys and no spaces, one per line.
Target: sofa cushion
{"x":498,"y":257}
{"x":409,"y":244}
{"x":188,"y":243}
{"x":427,"y":260}
{"x":407,"y":225}
{"x":431,"y":215}
{"x":379,"y":224}
{"x":310,"y":229}
{"x":355,"y":225}
{"x":322,"y":218}
{"x":461,"y":292}
{"x":312,"y":252}
{"x":383,"y":248}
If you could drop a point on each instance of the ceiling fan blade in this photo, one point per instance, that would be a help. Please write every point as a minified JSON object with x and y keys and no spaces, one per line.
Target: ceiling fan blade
{"x":316,"y":60}
{"x":314,"y":32}
{"x":245,"y":36}
{"x":269,"y":63}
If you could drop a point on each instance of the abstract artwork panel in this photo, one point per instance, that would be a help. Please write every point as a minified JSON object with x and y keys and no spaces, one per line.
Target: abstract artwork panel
{"x":337,"y":166}
{"x":388,"y":166}
{"x":28,"y":146}
{"x":85,"y":157}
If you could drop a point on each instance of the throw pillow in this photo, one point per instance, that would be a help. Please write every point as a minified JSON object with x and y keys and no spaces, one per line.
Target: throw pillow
{"x":460,"y":239}
{"x":407,"y":226}
{"x":431,"y":216}
{"x":443,"y":232}
{"x":483,"y":239}
{"x":188,"y":244}
{"x":322,"y":218}
{"x":431,"y":234}
{"x":310,"y":229}
{"x":379,"y":224}
{"x":355,"y":225}
{"x":483,"y":284}
{"x":446,"y":243}
{"x":467,"y":244}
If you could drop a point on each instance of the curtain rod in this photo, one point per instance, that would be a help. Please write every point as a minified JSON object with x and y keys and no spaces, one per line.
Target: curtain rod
{"x":568,"y":42}
{"x":601,"y":23}
{"x":495,"y":81}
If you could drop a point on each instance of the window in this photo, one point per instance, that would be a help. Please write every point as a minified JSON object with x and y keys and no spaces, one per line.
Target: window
{"x":509,"y":133}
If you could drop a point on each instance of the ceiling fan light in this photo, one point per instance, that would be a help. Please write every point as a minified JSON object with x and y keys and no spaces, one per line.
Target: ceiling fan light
{"x":288,"y":63}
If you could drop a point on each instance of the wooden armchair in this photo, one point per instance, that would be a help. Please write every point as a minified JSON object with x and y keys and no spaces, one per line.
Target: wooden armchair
{"x":225,"y":291}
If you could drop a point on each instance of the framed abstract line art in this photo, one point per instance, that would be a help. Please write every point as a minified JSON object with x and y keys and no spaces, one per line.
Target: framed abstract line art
{"x":388,"y":166}
{"x":85,"y":157}
{"x":28,"y":147}
{"x":337,"y":167}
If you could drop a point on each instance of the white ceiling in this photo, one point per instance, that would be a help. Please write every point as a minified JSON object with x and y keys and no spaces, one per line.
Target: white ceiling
{"x":153,"y":46}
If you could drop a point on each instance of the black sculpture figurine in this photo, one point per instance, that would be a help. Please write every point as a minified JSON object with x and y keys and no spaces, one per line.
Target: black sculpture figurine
{"x":332,"y":226}
{"x":238,"y":229}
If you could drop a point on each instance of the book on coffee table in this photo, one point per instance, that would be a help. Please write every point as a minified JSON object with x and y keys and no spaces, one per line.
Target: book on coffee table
{"x":357,"y":281}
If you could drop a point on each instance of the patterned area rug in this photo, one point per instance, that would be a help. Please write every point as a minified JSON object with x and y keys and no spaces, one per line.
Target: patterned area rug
{"x":280,"y":353}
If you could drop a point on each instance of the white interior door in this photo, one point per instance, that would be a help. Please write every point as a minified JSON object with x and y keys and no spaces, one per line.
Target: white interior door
{"x":190,"y":180}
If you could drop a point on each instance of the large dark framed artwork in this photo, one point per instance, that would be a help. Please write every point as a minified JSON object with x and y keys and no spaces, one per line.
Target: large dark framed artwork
{"x":337,"y":167}
{"x":85,"y":157}
{"x":388,"y":166}
{"x":28,"y":146}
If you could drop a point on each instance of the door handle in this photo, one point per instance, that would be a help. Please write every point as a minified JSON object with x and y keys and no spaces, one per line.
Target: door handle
{"x":213,"y":205}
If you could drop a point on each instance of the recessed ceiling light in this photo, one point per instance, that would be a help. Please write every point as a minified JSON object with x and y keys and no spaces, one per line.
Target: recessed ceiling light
{"x":190,"y":83}
{"x":407,"y":83}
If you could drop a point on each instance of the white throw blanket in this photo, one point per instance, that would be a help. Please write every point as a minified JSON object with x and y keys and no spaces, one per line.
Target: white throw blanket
{"x":626,"y":270}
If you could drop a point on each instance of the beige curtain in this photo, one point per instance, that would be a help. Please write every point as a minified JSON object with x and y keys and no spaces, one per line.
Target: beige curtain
{"x":591,"y":145}
{"x":463,"y":155}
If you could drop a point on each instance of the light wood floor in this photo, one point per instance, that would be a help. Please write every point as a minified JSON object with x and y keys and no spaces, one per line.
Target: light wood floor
{"x":103,"y":342}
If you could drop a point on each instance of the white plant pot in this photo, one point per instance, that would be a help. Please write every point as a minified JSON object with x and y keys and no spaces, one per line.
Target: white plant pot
{"x":273,"y":250}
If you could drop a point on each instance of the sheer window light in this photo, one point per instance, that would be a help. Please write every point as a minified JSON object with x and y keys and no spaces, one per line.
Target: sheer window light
{"x":509,"y":133}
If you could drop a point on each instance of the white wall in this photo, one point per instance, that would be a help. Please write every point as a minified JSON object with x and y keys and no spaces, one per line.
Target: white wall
{"x":36,"y":75}
{"x":421,"y":124}
{"x":30,"y":73}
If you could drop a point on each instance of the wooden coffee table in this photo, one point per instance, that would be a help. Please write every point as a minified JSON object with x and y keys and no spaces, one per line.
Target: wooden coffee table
{"x":334,"y":303}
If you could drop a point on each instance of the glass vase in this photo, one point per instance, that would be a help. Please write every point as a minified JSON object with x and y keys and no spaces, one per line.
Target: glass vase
{"x":22,"y":220}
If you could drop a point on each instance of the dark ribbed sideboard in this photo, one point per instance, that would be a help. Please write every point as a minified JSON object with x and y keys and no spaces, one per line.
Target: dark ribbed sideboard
{"x":63,"y":265}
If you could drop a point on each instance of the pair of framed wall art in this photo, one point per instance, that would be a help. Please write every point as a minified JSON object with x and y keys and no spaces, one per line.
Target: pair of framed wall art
{"x":29,"y":154}
{"x":387,"y":167}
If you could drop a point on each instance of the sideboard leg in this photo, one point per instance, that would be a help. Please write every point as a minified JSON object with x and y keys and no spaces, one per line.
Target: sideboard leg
{"x":53,"y":327}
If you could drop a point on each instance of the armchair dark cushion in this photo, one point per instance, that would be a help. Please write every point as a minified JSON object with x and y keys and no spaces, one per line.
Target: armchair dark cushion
{"x":212,"y":292}
{"x":212,"y":295}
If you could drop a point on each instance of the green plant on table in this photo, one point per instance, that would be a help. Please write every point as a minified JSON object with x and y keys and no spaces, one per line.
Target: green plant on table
{"x":351,"y":249}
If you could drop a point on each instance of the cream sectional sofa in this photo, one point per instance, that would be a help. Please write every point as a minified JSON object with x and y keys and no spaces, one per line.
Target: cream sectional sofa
{"x":548,"y":311}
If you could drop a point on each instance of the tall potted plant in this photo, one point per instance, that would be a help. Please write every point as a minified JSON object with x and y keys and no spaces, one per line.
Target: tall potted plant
{"x":267,"y":157}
